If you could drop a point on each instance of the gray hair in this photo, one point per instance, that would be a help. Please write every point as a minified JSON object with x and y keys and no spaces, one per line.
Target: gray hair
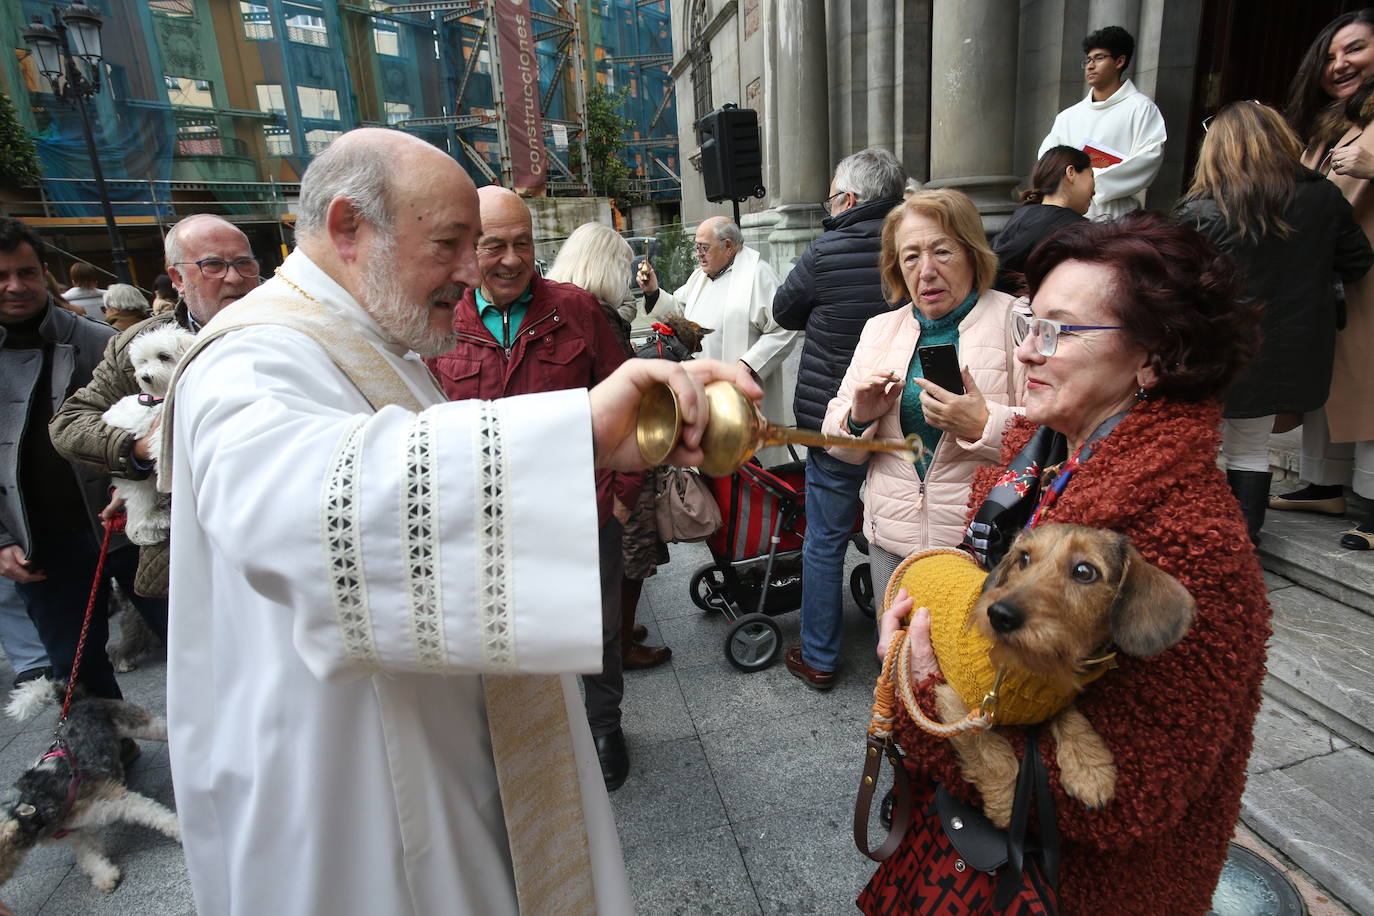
{"x":358,"y":172}
{"x":121,"y":297}
{"x":727,"y":231}
{"x":870,"y":174}
{"x":171,"y":245}
{"x":597,"y":259}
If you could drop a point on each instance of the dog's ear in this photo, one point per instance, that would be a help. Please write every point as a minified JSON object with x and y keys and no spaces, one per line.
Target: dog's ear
{"x":1152,"y":610}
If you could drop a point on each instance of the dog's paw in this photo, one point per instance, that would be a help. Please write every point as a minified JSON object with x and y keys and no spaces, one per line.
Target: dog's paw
{"x":106,"y":878}
{"x":951,"y":706}
{"x":1087,"y":770}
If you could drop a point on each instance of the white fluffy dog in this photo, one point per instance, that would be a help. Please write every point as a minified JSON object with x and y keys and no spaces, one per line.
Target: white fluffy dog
{"x":154,"y":355}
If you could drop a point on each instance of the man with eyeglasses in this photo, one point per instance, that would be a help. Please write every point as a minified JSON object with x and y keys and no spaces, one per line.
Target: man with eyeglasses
{"x":48,"y":506}
{"x":518,"y":333}
{"x":830,"y":294}
{"x":732,"y":291}
{"x":1119,"y":126}
{"x":211,"y":264}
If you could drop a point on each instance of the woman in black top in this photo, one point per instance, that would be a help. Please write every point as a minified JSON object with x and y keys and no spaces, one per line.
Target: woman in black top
{"x":1060,"y":193}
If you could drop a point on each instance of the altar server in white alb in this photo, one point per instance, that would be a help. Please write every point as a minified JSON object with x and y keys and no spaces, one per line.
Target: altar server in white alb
{"x":378,"y":595}
{"x":1117,"y":119}
{"x":732,"y":291}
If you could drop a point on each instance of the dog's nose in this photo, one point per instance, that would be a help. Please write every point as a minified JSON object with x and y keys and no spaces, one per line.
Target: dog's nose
{"x":1005,"y":618}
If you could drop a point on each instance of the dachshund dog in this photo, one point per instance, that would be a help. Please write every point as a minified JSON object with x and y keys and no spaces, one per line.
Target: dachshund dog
{"x":1063,"y":596}
{"x":673,"y":337}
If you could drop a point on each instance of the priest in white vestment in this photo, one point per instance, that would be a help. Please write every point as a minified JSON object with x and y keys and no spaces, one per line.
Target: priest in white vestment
{"x":732,"y":291}
{"x":1114,"y":118}
{"x":364,"y":577}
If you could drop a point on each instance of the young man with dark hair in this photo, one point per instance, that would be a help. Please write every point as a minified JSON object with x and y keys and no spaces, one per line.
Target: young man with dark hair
{"x":1116,"y":124}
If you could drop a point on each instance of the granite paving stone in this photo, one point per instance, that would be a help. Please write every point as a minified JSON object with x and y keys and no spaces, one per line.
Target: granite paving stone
{"x":804,"y":860}
{"x":1325,"y":650}
{"x":1284,"y":737}
{"x":691,"y":874}
{"x":1305,"y":548}
{"x":670,"y":788}
{"x":653,"y":709}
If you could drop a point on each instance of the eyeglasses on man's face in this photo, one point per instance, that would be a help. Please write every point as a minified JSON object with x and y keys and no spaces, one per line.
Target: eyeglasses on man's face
{"x":702,"y":249}
{"x":829,"y":202}
{"x":1045,"y":332}
{"x":1094,"y":59}
{"x":216,"y":268}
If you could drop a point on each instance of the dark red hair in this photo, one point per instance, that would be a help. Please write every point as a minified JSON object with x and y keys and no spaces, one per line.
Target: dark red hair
{"x":1176,"y":295}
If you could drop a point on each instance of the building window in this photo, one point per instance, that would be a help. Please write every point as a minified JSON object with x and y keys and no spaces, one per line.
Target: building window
{"x":199,"y":138}
{"x":181,"y":9}
{"x":319,"y":104}
{"x":257,"y":21}
{"x":317,"y":140}
{"x":271,"y":100}
{"x":397,"y":112}
{"x":278,"y":140}
{"x":189,"y":92}
{"x":700,"y":49}
{"x":386,"y":40}
{"x":306,"y":25}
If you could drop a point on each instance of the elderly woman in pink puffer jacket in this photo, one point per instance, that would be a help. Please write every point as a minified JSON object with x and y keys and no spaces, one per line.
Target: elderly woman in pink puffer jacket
{"x":936,"y":256}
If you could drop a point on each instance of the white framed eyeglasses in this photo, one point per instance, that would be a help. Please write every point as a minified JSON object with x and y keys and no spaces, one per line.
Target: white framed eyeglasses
{"x":1044,"y":332}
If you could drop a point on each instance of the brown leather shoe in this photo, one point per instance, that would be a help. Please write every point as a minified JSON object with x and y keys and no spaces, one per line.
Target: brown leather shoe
{"x":817,"y":680}
{"x":641,"y":656}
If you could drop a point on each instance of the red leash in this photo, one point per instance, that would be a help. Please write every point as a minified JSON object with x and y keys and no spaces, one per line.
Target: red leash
{"x":111,"y":526}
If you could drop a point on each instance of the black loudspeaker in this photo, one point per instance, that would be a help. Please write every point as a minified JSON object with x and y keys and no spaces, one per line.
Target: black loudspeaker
{"x":731,"y":155}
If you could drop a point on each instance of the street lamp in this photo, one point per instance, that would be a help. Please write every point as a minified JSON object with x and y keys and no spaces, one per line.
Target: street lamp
{"x":75,"y":35}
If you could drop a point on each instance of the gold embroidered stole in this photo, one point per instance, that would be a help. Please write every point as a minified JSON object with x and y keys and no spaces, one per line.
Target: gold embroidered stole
{"x":527,"y":714}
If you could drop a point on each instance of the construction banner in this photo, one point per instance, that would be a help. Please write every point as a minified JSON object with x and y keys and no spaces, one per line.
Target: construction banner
{"x":520,"y":85}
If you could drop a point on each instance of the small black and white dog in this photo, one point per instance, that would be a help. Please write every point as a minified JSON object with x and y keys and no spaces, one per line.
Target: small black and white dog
{"x":72,"y":790}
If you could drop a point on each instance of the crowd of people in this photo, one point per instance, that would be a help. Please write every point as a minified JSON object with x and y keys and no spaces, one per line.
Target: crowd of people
{"x":415,"y":574}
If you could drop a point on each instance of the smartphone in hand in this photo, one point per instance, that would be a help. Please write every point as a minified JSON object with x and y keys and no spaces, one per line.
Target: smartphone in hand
{"x":940,"y":364}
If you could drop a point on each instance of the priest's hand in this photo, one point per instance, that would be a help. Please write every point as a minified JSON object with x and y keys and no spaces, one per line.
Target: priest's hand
{"x":646,"y":278}
{"x":615,"y":407}
{"x":14,"y":564}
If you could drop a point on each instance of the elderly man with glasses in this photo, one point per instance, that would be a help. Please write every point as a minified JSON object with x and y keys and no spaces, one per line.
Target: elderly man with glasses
{"x":1116,"y":124}
{"x":732,"y":291}
{"x":211,"y":264}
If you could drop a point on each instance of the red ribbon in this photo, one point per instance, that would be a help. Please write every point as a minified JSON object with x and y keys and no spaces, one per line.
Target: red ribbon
{"x":662,"y":328}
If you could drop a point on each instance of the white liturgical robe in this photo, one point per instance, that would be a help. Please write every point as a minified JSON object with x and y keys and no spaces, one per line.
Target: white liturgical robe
{"x":1129,"y":123}
{"x":738,"y":303}
{"x":329,"y":628}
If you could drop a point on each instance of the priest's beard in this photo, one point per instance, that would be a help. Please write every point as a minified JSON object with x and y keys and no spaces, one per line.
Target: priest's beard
{"x":405,"y":320}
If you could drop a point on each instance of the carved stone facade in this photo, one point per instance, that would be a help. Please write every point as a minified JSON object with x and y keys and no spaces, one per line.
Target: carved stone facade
{"x":962,"y":91}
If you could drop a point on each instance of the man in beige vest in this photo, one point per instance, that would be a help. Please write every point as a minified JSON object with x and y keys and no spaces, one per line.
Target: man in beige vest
{"x":379,"y":597}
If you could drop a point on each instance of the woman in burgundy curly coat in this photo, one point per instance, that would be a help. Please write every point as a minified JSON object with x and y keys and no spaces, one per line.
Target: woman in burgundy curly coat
{"x":1135,"y":332}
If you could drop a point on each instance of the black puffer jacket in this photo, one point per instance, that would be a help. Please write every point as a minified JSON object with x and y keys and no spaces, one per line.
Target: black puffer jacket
{"x":831,"y":292}
{"x":1291,"y":278}
{"x":1030,"y":225}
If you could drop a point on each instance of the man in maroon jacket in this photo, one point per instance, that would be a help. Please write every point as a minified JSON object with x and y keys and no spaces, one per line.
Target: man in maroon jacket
{"x":520,"y":334}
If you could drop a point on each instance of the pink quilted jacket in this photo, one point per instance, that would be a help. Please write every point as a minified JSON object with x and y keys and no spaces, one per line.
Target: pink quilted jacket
{"x":904,"y":514}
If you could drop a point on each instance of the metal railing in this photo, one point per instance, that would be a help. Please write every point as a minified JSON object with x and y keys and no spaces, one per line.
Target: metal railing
{"x":166,"y":201}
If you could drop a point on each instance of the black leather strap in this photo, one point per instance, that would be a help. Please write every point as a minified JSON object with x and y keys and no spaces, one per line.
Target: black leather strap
{"x":1032,"y":787}
{"x":863,"y":805}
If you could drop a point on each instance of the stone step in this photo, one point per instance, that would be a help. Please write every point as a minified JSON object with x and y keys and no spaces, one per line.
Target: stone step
{"x":1321,"y":660}
{"x":1309,"y":795}
{"x":1305,"y":549}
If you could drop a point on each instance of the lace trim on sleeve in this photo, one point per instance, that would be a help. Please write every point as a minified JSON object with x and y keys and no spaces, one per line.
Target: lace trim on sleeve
{"x":419,"y":540}
{"x":495,"y":616}
{"x":341,"y":535}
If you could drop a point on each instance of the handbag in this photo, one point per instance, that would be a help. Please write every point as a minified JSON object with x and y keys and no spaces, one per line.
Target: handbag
{"x":684,"y":507}
{"x":952,"y":860}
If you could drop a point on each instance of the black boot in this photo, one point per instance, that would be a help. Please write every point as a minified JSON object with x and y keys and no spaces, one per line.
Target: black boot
{"x":1252,"y":492}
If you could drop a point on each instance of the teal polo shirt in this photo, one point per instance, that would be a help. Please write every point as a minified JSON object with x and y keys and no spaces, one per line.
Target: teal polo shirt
{"x":504,"y":325}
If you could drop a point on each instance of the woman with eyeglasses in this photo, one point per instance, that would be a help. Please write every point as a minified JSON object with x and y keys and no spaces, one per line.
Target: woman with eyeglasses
{"x":1134,"y":333}
{"x":1290,"y":232}
{"x":1060,"y":193}
{"x":936,"y":258}
{"x":1330,"y":105}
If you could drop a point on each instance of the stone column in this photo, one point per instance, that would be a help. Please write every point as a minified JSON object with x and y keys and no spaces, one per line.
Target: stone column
{"x":973,"y":103}
{"x":803,"y":127}
{"x":1125,"y":13}
{"x":882,"y":71}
